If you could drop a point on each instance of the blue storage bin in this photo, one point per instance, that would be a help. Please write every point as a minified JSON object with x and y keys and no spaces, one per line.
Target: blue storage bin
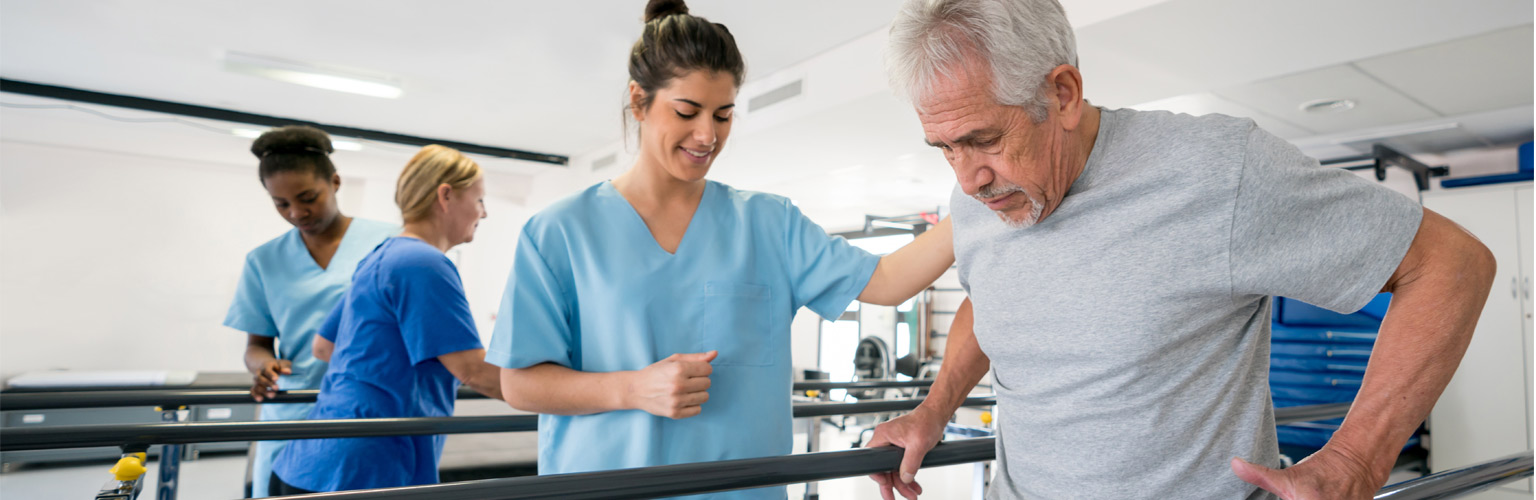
{"x":1320,"y":350}
{"x":1318,"y":364}
{"x":1314,"y":379}
{"x":1525,"y":157}
{"x":1319,"y":334}
{"x":1292,"y":312}
{"x":1314,"y":395}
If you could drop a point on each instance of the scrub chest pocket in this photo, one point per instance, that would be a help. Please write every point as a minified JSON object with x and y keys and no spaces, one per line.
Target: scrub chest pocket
{"x":736,"y":323}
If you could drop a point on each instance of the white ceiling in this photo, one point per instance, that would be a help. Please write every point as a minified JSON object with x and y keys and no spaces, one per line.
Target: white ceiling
{"x":547,"y":76}
{"x":541,"y":76}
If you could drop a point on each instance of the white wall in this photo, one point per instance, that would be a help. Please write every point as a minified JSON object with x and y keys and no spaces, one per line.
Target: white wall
{"x":115,"y":258}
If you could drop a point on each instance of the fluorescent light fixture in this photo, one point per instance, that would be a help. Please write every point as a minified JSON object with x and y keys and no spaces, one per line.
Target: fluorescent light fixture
{"x":312,"y":75}
{"x":246,"y":133}
{"x":249,"y":133}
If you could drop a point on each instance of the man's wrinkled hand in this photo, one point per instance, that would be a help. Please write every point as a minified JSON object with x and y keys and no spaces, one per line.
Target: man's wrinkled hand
{"x":915,"y":432}
{"x":1329,"y":474}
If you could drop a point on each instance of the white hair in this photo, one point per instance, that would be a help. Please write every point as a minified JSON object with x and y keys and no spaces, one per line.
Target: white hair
{"x":1020,"y":40}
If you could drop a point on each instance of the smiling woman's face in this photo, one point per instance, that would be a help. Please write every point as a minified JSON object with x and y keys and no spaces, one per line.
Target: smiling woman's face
{"x":304,"y":199}
{"x":686,"y":125}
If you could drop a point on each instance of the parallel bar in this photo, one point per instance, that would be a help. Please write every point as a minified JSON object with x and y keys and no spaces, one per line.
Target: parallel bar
{"x":684,"y":479}
{"x":1311,"y":413}
{"x":54,"y":400}
{"x":43,"y":438}
{"x":1459,"y":482}
{"x":874,"y":384}
{"x":83,"y":436}
{"x":877,"y":406}
{"x":195,"y":111}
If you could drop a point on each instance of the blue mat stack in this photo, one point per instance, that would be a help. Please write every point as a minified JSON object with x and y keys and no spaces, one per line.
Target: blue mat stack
{"x":1318,"y":356}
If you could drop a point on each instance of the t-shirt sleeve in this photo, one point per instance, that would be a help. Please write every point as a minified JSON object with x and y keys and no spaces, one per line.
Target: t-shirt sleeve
{"x":249,"y":311}
{"x":534,"y":322}
{"x":1320,"y":235}
{"x":429,"y":301}
{"x":826,"y":272}
{"x":333,"y":320}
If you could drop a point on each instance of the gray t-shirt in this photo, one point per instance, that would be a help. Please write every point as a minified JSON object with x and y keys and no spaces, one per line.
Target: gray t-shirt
{"x":1129,"y":330}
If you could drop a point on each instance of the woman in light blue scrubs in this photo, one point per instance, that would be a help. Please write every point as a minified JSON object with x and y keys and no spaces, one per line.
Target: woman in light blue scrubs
{"x":648,"y":318}
{"x":292,"y":282}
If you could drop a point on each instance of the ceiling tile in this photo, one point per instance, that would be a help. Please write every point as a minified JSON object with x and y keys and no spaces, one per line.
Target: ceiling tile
{"x":1491,"y":71}
{"x":1376,"y":104}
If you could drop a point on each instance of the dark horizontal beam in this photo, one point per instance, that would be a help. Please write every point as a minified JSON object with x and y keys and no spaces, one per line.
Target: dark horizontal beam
{"x":226,"y":115}
{"x":55,"y":400}
{"x":83,"y":436}
{"x":876,"y":406}
{"x":684,"y":479}
{"x":727,"y":475}
{"x":1463,"y":481}
{"x":1310,"y":413}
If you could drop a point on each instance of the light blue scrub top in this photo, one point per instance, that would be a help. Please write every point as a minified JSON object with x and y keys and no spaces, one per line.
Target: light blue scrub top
{"x":283,"y":293}
{"x":591,"y":290}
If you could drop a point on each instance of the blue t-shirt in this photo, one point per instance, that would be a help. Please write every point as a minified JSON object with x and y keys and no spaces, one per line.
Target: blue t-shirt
{"x":591,"y":290}
{"x":405,"y":308}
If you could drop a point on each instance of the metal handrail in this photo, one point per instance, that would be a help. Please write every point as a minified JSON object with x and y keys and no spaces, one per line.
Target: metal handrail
{"x":684,"y":479}
{"x":711,"y":477}
{"x":1463,"y":481}
{"x":83,"y":436}
{"x":56,"y":400}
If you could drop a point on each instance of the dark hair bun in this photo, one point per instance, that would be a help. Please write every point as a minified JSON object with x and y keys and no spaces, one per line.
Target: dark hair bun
{"x":657,"y":9}
{"x":292,"y":139}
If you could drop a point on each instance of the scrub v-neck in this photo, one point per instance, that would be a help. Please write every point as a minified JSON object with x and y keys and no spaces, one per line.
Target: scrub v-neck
{"x":692,"y":222}
{"x":339,"y":246}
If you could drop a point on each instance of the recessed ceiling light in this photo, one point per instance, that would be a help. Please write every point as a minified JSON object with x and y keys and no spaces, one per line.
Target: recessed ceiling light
{"x":353,"y":82}
{"x":246,"y":133}
{"x":1328,"y":105}
{"x":347,"y":145}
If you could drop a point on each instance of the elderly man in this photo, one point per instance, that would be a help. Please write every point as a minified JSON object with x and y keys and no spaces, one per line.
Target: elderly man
{"x":1120,"y":265}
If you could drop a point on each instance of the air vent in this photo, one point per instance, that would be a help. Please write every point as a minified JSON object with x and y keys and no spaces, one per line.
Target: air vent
{"x":605,"y":162}
{"x":774,"y":96}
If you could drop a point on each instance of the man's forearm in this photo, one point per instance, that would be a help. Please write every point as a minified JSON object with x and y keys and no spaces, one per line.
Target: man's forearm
{"x":964,"y":364}
{"x":1435,"y":307}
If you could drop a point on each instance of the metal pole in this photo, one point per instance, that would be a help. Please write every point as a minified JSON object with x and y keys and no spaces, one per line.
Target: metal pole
{"x":682,"y":479}
{"x":55,"y":400}
{"x":170,"y":456}
{"x":81,"y":436}
{"x":1463,"y":481}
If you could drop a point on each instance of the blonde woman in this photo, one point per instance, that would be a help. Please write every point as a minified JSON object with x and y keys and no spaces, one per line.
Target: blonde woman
{"x":401,"y":340}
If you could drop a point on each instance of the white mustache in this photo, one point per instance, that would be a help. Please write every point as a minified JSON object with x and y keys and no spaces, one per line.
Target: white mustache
{"x":993,"y":191}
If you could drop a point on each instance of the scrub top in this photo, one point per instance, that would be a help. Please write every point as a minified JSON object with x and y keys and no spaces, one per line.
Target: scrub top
{"x":591,"y":290}
{"x":406,"y":307}
{"x":283,"y":293}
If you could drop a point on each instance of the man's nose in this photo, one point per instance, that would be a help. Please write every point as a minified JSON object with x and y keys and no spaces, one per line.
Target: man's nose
{"x":971,"y":174}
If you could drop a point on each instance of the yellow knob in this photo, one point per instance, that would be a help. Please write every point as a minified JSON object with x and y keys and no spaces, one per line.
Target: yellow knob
{"x":128,"y":468}
{"x":813,"y":393}
{"x":986,"y":418}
